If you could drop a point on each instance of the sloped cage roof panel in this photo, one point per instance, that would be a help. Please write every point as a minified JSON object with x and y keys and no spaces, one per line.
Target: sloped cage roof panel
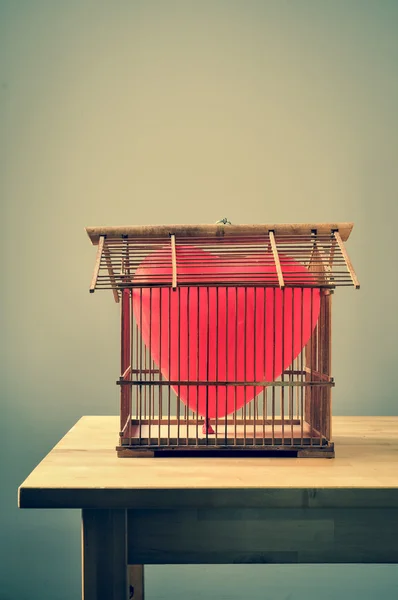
{"x":289,"y":255}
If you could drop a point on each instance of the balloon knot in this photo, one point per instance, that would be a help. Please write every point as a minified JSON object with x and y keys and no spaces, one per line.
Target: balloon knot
{"x":207,"y":428}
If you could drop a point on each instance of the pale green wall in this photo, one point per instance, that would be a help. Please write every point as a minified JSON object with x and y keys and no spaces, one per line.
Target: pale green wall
{"x":160,"y":112}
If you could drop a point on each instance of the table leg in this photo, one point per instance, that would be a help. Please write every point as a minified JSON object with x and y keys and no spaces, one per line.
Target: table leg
{"x":104,"y":555}
{"x":136,"y":578}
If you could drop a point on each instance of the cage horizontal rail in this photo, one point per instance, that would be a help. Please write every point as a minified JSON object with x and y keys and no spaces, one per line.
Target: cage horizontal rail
{"x":265,"y":384}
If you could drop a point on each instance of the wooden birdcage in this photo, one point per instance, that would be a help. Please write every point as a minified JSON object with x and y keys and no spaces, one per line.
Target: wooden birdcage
{"x":225,"y":335}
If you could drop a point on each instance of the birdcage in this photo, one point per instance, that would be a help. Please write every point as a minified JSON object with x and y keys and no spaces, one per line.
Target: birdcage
{"x":225,"y":335}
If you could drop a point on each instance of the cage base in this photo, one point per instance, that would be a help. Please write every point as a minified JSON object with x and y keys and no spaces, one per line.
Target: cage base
{"x":315,"y":451}
{"x":277,"y":437}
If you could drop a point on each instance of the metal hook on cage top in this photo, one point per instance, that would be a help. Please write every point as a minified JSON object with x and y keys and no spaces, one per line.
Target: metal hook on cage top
{"x":224,"y":221}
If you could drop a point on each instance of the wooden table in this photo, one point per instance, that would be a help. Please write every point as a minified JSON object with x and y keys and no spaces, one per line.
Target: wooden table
{"x":221,"y":510}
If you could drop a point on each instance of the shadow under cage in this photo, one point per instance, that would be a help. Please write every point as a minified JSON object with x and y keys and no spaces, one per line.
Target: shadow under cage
{"x":225,"y":335}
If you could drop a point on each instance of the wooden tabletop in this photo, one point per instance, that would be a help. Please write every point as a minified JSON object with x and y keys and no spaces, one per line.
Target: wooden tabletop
{"x":83,"y":471}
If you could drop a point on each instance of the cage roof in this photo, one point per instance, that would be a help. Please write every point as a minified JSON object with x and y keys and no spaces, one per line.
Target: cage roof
{"x":275,"y":255}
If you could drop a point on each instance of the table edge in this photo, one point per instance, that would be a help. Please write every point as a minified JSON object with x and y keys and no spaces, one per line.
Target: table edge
{"x":167,"y":498}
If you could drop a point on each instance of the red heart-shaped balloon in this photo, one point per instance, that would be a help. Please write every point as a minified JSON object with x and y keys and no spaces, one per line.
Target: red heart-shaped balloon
{"x":210,"y":334}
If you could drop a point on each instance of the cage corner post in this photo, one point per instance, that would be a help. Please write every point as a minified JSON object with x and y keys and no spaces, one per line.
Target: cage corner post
{"x":326,"y":366}
{"x":317,"y":355}
{"x":125,"y":388}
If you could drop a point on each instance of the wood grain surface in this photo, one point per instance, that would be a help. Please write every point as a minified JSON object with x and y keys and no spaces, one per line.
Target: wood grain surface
{"x":83,"y":471}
